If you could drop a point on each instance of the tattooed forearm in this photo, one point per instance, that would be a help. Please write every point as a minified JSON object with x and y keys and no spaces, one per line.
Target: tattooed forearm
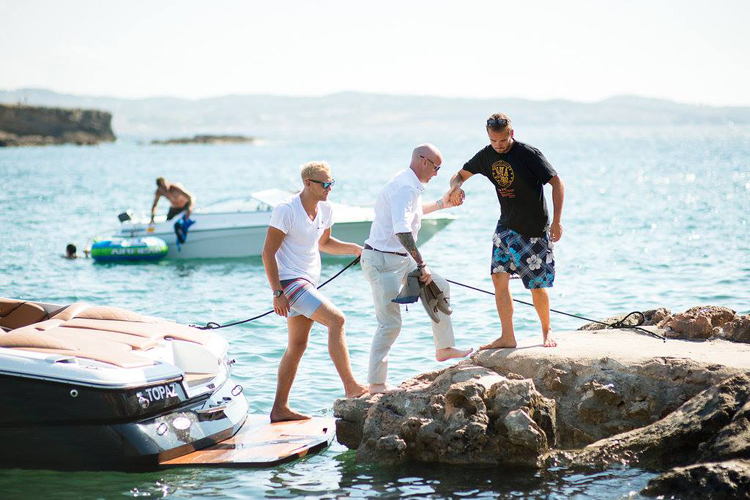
{"x":457,"y":180}
{"x":407,"y":240}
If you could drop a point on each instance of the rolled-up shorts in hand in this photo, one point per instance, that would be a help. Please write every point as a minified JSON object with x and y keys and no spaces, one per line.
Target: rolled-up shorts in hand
{"x":531,"y":259}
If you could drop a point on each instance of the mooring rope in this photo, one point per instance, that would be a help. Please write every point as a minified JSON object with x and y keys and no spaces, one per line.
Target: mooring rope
{"x":215,"y":326}
{"x":641,"y":318}
{"x":617,"y":324}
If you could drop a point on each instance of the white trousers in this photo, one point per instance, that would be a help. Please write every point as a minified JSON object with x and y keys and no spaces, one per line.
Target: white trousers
{"x":386,"y":272}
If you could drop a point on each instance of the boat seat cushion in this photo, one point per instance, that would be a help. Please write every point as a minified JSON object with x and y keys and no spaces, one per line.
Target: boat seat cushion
{"x":18,"y":313}
{"x":114,"y":314}
{"x":106,"y":334}
{"x":121,"y":359}
{"x":83,"y":310}
{"x":29,"y":338}
{"x":84,"y":337}
{"x":156,"y":331}
{"x":120,"y":349}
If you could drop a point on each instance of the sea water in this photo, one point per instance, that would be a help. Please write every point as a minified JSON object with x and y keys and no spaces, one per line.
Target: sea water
{"x":653,"y":217}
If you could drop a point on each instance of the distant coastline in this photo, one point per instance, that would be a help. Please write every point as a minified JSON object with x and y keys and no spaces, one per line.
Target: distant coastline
{"x":353,"y":113}
{"x":207,"y":139}
{"x":22,"y":125}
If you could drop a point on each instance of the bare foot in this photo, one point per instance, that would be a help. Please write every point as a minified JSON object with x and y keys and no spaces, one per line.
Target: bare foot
{"x":452,"y":352}
{"x":286,"y":414}
{"x":383,"y":388}
{"x":548,"y":340}
{"x":356,"y":391}
{"x":500,"y":343}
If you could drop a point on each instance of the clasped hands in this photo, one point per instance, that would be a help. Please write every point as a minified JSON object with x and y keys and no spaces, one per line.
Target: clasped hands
{"x":454,"y":197}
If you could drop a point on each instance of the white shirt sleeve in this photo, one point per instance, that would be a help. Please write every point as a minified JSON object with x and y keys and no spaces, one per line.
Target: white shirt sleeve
{"x":331,"y":219}
{"x":282,"y":218}
{"x":402,"y":209}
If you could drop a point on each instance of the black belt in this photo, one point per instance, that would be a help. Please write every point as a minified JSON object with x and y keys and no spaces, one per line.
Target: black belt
{"x":400,"y":254}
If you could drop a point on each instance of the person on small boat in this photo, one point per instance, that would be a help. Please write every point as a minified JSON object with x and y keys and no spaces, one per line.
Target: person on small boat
{"x":523,"y":239}
{"x":180,"y":199}
{"x":299,"y":230}
{"x":391,"y":253}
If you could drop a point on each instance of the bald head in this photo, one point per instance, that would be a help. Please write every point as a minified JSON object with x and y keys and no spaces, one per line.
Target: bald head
{"x":426,"y":151}
{"x":425,"y":162}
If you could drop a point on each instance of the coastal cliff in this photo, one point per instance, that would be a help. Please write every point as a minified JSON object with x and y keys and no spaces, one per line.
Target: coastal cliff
{"x":38,"y":126}
{"x":601,"y":397}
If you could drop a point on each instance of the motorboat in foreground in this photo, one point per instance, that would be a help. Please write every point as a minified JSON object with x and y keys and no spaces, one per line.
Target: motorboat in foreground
{"x":92,"y":387}
{"x":237,"y":227}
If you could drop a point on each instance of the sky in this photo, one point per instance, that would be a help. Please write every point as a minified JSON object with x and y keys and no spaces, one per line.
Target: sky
{"x":687,"y":51}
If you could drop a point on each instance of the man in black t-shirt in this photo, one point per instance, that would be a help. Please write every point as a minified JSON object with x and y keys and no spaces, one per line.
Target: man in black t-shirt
{"x":523,"y":240}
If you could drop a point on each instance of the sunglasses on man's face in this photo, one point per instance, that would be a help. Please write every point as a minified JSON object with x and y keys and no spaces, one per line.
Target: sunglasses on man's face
{"x":324,"y":185}
{"x":497,"y":122}
{"x":436,"y":167}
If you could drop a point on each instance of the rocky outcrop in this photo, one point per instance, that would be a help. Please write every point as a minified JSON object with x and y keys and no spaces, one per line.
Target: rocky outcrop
{"x":706,"y":442}
{"x":737,"y":330}
{"x":730,"y":479}
{"x":601,"y":397}
{"x":35,"y":126}
{"x":610,"y":381}
{"x":514,"y":405}
{"x":712,"y":426}
{"x":464,"y":415}
{"x":207,"y":139}
{"x":697,"y":323}
{"x":653,"y":317}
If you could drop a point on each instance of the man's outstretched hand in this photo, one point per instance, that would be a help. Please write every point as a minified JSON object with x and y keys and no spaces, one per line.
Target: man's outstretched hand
{"x":454,"y":197}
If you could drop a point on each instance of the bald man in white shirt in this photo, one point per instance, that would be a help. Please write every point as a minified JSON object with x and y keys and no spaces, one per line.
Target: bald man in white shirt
{"x":390,"y":253}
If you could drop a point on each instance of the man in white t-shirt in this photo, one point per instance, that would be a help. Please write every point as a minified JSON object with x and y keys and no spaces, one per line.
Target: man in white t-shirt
{"x":391,"y":253}
{"x":299,"y":229}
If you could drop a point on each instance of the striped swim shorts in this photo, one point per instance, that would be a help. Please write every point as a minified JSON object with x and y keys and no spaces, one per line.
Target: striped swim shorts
{"x":529,"y":258}
{"x":304,"y":298}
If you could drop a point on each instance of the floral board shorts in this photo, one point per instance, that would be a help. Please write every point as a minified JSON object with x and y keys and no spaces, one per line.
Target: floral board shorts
{"x":529,"y":258}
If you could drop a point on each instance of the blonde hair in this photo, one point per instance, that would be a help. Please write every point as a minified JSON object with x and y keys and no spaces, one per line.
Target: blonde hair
{"x":311,"y":168}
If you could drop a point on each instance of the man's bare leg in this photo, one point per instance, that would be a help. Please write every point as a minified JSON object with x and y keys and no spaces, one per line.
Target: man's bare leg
{"x":299,"y":332}
{"x":451,"y":353}
{"x":330,"y":316}
{"x":541,"y":304}
{"x":504,"y":304}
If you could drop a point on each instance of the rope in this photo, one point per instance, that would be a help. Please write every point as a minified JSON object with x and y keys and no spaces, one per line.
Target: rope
{"x":215,"y":326}
{"x":211,"y":325}
{"x":617,"y":324}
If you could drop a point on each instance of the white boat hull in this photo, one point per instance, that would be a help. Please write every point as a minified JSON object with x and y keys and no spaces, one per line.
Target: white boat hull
{"x":243,"y":234}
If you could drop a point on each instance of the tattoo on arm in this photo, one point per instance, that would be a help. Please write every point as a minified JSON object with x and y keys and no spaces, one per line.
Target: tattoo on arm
{"x":457,"y":180}
{"x":407,"y":240}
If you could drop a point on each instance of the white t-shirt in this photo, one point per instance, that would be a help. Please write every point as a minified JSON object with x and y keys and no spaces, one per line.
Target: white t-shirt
{"x":398,"y":209}
{"x":299,"y":256}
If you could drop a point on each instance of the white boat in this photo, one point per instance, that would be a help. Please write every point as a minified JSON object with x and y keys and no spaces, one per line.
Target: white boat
{"x":237,"y":227}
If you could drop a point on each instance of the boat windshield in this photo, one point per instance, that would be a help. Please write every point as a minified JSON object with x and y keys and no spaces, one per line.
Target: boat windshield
{"x":237,"y":205}
{"x":261,"y":201}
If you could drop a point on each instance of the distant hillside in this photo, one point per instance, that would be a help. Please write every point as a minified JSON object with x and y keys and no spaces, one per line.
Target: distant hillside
{"x":350,"y":112}
{"x":22,"y":125}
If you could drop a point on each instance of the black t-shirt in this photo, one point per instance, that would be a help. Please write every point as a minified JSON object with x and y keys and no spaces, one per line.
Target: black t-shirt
{"x":518,"y":176}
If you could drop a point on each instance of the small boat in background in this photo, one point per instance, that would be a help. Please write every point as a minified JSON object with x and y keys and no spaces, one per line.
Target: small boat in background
{"x":237,"y":227}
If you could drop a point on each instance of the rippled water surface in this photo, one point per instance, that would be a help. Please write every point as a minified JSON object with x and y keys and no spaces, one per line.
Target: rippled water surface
{"x":653,"y":217}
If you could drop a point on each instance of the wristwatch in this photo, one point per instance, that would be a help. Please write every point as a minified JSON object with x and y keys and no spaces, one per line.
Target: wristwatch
{"x":278,"y":293}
